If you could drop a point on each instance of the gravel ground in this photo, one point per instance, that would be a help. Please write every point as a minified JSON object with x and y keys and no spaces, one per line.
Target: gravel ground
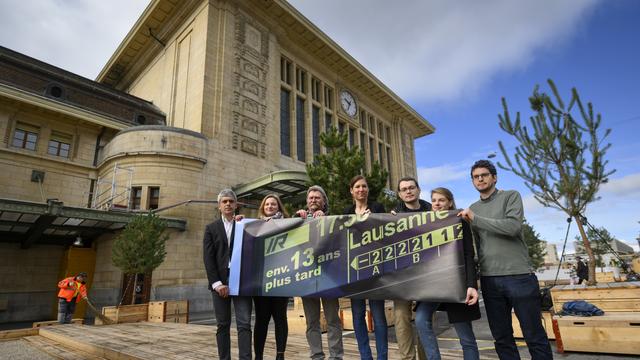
{"x":21,"y":350}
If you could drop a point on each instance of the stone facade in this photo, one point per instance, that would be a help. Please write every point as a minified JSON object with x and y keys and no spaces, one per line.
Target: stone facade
{"x":226,"y":74}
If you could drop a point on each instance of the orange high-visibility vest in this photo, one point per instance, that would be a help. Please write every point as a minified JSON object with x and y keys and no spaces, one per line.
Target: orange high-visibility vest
{"x":69,"y":292}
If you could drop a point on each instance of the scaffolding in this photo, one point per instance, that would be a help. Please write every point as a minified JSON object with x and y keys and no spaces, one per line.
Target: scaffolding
{"x":109,"y":194}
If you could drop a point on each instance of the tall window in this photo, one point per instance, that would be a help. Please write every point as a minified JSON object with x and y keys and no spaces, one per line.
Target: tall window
{"x":328,"y":97}
{"x":301,"y":80}
{"x":59,"y":145}
{"x":285,"y":123}
{"x":372,"y":147}
{"x":315,"y":130}
{"x":352,"y":135}
{"x":315,"y":89}
{"x":363,"y":119}
{"x":136,"y":198}
{"x":25,"y":137}
{"x":285,"y":71}
{"x":380,"y":154}
{"x":154,"y":197}
{"x":300,"y":138}
{"x":328,"y":121}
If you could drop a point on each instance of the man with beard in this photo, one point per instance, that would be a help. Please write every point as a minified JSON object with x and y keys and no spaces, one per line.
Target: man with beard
{"x":318,"y":205}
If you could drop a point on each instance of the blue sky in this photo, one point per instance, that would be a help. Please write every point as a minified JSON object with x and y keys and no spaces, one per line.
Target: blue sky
{"x":451,"y":61}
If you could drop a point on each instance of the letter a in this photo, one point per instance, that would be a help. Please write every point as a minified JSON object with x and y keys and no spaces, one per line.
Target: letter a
{"x":376,"y":270}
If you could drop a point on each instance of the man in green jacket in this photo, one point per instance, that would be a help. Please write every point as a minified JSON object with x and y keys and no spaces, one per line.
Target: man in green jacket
{"x":507,"y":277}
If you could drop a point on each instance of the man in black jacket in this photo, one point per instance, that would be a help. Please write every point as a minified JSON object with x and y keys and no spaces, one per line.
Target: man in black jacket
{"x":409,"y":192}
{"x":217,"y":249}
{"x":582,"y":270}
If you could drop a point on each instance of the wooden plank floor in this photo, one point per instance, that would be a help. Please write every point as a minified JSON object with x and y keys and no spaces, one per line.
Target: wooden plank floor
{"x":156,"y":341}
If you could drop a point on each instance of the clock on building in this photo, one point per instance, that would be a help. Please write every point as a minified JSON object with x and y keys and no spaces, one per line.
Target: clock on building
{"x":348,"y":103}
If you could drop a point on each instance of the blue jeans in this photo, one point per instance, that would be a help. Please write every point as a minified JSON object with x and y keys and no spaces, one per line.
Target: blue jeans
{"x":522,"y":294}
{"x":358,"y":311}
{"x":424,"y":324}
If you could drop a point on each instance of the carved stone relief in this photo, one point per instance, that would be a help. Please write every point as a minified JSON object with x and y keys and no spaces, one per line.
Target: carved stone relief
{"x":250,"y":74}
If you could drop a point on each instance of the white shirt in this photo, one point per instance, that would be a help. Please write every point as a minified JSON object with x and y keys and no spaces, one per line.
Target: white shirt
{"x":228,"y":228}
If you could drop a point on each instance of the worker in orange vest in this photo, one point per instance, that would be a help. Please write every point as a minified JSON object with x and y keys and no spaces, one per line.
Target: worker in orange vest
{"x":72,"y":290}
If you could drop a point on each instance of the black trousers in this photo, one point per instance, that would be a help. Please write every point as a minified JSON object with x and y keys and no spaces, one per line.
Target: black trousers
{"x":267,"y":307}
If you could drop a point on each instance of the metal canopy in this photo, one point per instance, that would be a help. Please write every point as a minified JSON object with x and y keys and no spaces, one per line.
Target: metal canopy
{"x":286,"y":184}
{"x":27,"y":222}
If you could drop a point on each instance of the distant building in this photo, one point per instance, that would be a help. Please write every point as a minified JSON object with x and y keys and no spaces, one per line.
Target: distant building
{"x":551,"y":256}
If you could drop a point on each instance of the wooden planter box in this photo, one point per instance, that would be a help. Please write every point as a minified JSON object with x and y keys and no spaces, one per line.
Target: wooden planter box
{"x":610,"y":297}
{"x":169,"y":311}
{"x":546,"y":323}
{"x":125,"y":313}
{"x":615,"y":333}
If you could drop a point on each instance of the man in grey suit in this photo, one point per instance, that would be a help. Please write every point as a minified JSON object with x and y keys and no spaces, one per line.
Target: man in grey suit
{"x":217,"y":249}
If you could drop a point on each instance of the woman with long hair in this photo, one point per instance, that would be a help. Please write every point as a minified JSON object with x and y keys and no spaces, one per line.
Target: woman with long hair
{"x":460,"y":315}
{"x":361,"y":205}
{"x":269,"y":306}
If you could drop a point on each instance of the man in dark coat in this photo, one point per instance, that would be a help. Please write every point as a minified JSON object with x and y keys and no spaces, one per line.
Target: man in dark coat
{"x":217,"y":250}
{"x":582,"y":270}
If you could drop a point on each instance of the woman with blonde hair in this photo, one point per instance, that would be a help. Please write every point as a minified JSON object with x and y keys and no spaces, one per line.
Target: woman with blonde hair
{"x":460,"y":315}
{"x":268,"y":306}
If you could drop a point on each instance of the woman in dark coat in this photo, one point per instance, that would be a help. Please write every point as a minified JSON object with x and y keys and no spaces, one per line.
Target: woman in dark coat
{"x":266,"y":306}
{"x":460,"y":315}
{"x":361,"y":205}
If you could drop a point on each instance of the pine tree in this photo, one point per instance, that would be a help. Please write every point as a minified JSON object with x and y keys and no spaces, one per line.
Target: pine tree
{"x":334,"y":170}
{"x":535,"y":245}
{"x":560,"y":160}
{"x":140,"y":247}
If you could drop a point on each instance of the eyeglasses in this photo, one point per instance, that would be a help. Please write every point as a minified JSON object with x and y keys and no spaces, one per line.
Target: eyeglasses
{"x":480,"y":176}
{"x":408,"y":188}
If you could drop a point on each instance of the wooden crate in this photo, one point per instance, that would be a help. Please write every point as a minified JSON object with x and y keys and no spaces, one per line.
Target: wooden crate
{"x":610,"y":297}
{"x":605,"y":277}
{"x":169,"y":311}
{"x":546,"y":323}
{"x":345,"y":303}
{"x":125,"y":313}
{"x":39,"y":324}
{"x":615,"y":333}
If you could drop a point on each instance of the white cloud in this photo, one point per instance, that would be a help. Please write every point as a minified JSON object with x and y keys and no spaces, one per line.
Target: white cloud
{"x":624,"y":187}
{"x":430,"y":177}
{"x":76,"y":35}
{"x":440,"y":49}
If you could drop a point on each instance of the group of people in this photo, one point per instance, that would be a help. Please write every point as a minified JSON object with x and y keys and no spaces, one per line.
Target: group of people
{"x":507,"y":280}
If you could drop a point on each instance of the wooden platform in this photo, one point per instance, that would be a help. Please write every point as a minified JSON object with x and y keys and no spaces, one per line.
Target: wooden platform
{"x":155,"y":341}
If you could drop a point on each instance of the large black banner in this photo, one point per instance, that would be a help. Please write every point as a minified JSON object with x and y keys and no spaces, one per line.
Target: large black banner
{"x":412,"y":256}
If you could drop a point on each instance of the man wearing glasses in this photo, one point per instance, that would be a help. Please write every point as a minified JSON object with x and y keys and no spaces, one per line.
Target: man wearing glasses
{"x":409,"y":192}
{"x":507,"y":278}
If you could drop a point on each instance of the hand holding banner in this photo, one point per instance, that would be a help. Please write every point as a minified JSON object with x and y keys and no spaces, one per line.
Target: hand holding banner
{"x":412,"y":256}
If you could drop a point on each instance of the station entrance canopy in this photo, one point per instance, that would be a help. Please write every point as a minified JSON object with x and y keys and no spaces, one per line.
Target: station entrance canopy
{"x":28,"y":223}
{"x":287,"y":184}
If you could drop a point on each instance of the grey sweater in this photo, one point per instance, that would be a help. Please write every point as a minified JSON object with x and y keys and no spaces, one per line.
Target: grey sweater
{"x":497,"y":229}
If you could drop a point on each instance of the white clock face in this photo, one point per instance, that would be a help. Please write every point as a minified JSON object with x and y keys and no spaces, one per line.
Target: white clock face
{"x":348,"y":103}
